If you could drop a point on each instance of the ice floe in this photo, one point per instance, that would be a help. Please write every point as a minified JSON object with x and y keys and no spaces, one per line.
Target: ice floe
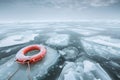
{"x":104,"y":40}
{"x":58,"y":40}
{"x":69,"y":53}
{"x":103,"y":47}
{"x":83,"y":70}
{"x":16,"y":39}
{"x":38,"y":70}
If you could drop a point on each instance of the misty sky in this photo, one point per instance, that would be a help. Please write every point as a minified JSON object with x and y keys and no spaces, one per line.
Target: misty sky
{"x":59,"y":10}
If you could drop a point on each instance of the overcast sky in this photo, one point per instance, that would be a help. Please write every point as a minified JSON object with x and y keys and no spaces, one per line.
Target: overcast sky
{"x":59,"y":10}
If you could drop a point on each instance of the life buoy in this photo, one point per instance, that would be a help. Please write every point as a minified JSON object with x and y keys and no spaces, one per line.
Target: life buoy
{"x":21,"y":58}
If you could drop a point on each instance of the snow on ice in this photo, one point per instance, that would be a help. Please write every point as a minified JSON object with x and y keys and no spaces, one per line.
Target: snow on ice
{"x":16,"y":39}
{"x":58,"y":40}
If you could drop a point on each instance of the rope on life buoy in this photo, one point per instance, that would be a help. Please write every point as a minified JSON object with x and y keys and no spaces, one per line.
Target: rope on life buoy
{"x":29,"y":71}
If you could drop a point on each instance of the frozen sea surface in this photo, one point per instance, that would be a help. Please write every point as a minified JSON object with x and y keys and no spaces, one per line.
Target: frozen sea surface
{"x":75,"y":50}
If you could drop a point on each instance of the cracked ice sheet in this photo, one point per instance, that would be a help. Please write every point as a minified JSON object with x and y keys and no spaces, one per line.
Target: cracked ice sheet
{"x":84,"y":32}
{"x":86,"y":70}
{"x":38,"y":70}
{"x":104,"y":40}
{"x":16,"y":39}
{"x":102,"y":47}
{"x":58,"y":40}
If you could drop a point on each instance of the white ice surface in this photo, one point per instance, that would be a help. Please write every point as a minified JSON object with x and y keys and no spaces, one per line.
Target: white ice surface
{"x":69,"y":76}
{"x":69,"y":53}
{"x":16,"y":39}
{"x":95,"y":28}
{"x":58,"y":40}
{"x":101,"y":46}
{"x":88,"y":66}
{"x":84,"y":32}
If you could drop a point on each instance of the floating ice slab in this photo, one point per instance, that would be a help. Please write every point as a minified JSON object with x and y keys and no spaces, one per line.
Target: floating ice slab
{"x":96,"y":70}
{"x":58,"y":40}
{"x":16,"y":39}
{"x":69,"y":53}
{"x":104,"y":40}
{"x":38,"y":70}
{"x":83,"y":70}
{"x":103,"y":47}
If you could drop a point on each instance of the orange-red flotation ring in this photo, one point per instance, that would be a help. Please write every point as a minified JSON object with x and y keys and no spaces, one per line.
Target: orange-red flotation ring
{"x":21,"y":58}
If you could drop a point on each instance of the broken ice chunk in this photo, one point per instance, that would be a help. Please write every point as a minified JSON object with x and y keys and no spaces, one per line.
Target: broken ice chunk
{"x":69,"y":53}
{"x":83,"y":70}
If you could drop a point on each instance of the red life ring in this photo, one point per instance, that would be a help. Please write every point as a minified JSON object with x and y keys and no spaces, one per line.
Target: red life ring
{"x":21,"y":58}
